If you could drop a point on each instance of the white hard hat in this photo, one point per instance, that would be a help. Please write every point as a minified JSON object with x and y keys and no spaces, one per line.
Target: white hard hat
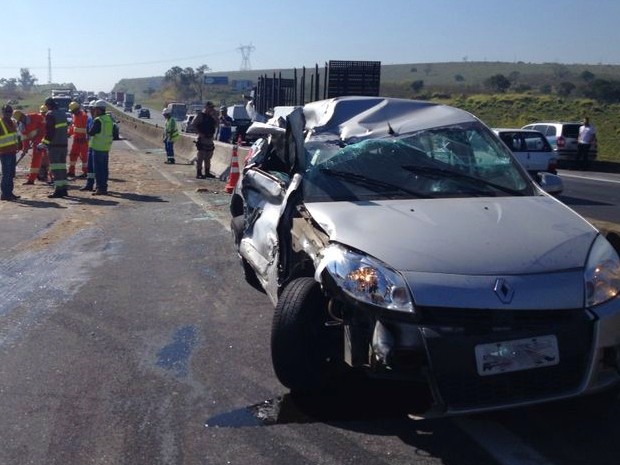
{"x":166,"y":111}
{"x":100,"y":104}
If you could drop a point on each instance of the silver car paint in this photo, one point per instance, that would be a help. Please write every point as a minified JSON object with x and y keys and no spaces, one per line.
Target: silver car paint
{"x":469,"y":236}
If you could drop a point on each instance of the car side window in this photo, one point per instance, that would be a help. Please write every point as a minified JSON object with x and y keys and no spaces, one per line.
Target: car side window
{"x":535,"y":143}
{"x":551,"y":131}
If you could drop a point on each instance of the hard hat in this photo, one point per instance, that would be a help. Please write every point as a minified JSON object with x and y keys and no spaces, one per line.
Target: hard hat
{"x":43,"y":109}
{"x":99,"y":104}
{"x":17,"y":114}
{"x":222,"y":108}
{"x":74,"y":106}
{"x":166,"y":111}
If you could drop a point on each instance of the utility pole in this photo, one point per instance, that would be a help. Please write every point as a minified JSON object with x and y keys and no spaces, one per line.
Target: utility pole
{"x":246,"y":50}
{"x":49,"y":66}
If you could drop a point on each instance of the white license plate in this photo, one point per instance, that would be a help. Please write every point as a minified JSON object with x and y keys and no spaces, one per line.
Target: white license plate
{"x":517,"y":355}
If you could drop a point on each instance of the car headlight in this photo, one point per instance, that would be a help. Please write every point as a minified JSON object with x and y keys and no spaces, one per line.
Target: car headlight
{"x":602,"y":273}
{"x":367,"y":279}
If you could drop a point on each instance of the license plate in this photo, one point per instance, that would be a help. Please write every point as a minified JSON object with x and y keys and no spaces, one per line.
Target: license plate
{"x":517,"y":355}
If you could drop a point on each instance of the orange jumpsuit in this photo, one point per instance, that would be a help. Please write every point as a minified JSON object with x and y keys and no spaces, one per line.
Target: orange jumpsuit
{"x":79,"y":147}
{"x":32,"y":134}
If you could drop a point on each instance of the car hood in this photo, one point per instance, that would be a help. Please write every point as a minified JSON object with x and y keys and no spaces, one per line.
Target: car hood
{"x":472,"y":236}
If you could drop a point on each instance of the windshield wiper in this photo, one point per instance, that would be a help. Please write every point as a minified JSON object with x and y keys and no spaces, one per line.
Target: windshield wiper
{"x":455,"y":174}
{"x":359,"y":179}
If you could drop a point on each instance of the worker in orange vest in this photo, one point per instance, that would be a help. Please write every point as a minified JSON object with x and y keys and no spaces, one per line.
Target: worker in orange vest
{"x":32,"y":129}
{"x":79,"y":148}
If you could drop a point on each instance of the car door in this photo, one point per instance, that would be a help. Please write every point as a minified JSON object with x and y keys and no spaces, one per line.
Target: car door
{"x":536,"y":150}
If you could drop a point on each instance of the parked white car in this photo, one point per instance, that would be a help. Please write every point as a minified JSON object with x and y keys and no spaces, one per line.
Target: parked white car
{"x":533,"y":151}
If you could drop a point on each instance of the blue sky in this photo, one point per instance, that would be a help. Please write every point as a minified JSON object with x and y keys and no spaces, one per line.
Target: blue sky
{"x":95,"y":44}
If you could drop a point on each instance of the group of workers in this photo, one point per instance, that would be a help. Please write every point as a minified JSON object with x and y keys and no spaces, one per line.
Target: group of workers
{"x":47,"y":133}
{"x":205,"y":123}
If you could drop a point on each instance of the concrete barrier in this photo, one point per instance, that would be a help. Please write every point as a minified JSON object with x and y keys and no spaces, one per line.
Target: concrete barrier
{"x":184,"y":147}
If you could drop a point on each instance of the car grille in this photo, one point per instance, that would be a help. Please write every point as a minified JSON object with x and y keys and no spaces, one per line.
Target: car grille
{"x":453,"y":362}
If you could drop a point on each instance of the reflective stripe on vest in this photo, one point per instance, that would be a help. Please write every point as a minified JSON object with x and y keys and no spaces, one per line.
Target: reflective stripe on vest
{"x":102,"y":141}
{"x":7,"y":138}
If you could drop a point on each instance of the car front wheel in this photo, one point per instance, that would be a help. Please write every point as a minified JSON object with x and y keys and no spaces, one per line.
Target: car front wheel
{"x":305,"y":350}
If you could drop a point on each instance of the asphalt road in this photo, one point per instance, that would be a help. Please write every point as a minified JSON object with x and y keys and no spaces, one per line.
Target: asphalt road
{"x":592,"y":194}
{"x":128,"y":336}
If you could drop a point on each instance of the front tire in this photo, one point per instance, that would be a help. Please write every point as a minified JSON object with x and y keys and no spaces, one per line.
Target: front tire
{"x":305,"y":351}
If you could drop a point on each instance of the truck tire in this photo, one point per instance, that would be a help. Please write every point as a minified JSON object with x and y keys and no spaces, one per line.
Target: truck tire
{"x":305,"y":351}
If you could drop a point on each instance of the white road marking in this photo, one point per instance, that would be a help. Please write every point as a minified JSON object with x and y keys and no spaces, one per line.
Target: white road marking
{"x":500,"y":443}
{"x":589,"y":178}
{"x":131,"y":146}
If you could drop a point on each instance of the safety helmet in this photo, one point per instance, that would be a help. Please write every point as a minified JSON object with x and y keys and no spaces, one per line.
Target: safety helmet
{"x":166,"y":111}
{"x":74,"y":106}
{"x":99,"y":104}
{"x":222,"y":108}
{"x":43,"y":109}
{"x":17,"y":115}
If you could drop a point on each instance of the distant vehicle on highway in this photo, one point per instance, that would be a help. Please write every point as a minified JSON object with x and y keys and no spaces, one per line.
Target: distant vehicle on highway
{"x":144,"y":113}
{"x":186,"y":124}
{"x":533,"y":151}
{"x":240,"y":122}
{"x":563,"y":139}
{"x":178,"y":110}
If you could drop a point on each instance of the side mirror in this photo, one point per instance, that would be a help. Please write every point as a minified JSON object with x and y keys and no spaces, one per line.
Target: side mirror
{"x":550,"y":183}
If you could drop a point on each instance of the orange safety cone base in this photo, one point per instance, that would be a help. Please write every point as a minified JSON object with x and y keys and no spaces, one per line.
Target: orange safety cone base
{"x":234,"y":171}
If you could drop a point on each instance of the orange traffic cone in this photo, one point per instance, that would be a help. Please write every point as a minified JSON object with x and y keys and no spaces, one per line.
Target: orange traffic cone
{"x":234,"y":170}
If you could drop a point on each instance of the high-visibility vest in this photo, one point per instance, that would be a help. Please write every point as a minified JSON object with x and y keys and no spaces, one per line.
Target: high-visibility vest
{"x":171,"y":130}
{"x":102,"y":141}
{"x":8,"y":138}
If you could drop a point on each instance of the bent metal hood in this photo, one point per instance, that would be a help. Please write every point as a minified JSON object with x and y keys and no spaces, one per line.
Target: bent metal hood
{"x":471,"y":236}
{"x":513,"y":252}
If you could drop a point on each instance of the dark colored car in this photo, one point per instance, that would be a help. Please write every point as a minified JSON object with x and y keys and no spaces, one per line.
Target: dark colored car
{"x":144,"y":113}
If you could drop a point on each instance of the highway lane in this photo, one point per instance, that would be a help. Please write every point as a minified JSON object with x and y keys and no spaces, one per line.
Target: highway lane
{"x":594,"y":195}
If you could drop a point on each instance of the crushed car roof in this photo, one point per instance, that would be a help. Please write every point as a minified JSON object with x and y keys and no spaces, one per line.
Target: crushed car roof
{"x":367,"y":117}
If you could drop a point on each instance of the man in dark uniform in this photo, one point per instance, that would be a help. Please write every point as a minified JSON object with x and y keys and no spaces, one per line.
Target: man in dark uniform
{"x":205,"y":124}
{"x":56,"y":143}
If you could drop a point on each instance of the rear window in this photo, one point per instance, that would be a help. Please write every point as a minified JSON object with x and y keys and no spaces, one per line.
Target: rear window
{"x":570,"y":130}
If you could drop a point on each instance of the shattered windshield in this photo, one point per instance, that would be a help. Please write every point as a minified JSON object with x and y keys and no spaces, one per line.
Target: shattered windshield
{"x":464,"y":160}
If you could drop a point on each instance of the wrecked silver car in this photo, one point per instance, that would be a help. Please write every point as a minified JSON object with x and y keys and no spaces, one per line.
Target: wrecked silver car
{"x":403,"y":240}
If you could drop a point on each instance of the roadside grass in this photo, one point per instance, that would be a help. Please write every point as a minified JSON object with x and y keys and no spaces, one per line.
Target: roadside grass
{"x":517,"y":110}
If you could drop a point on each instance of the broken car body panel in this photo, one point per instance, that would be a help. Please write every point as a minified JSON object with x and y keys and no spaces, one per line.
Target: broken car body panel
{"x":439,"y":259}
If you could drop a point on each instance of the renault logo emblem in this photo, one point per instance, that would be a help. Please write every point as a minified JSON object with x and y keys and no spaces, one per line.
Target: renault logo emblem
{"x":503,"y":290}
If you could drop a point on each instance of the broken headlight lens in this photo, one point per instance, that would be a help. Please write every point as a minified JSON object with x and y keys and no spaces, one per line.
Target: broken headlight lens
{"x":367,"y":279}
{"x":602,"y":273}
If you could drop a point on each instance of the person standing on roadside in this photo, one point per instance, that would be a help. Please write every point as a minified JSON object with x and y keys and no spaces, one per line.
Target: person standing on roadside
{"x":225,"y":127}
{"x":32,"y":129}
{"x":100,"y":142}
{"x":56,"y":142}
{"x":204,"y":124}
{"x":171,"y":134}
{"x":90,"y":161}
{"x":79,"y":147}
{"x":587,"y":137}
{"x":8,"y":153}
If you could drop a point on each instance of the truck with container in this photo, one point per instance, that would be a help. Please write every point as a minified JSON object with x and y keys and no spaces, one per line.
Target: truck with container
{"x":128,"y":102}
{"x":119,"y":98}
{"x":178,"y":110}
